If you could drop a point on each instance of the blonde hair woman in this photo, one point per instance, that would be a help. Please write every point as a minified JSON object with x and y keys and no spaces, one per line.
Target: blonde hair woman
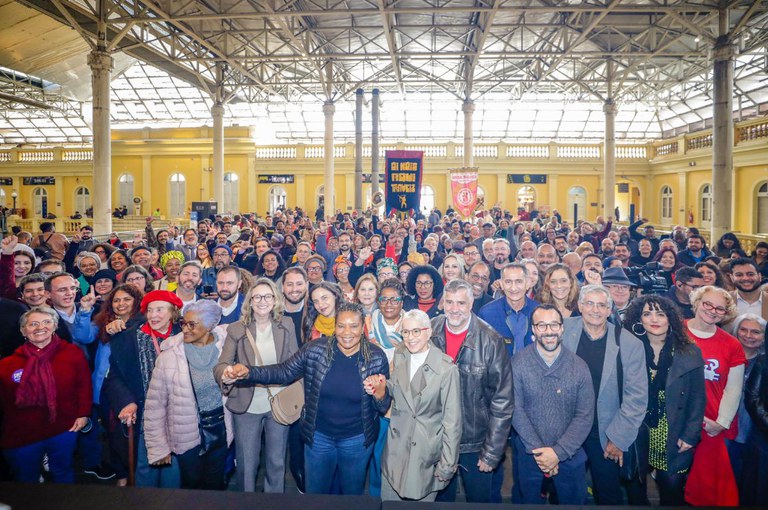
{"x":263,"y":336}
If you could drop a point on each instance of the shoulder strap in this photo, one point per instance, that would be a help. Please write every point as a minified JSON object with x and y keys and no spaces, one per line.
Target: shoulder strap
{"x":258,"y":356}
{"x":619,"y":367}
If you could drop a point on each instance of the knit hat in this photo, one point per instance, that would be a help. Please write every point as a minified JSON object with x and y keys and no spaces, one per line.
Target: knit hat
{"x":160,"y":295}
{"x":173,"y":254}
{"x":277,"y":240}
{"x":88,"y":255}
{"x":104,"y":274}
{"x":384,"y":263}
{"x":222,"y":246}
{"x":317,"y":258}
{"x":138,"y":248}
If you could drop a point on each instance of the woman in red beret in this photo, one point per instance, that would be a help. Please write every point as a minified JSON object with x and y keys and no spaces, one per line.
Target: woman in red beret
{"x":131,"y":362}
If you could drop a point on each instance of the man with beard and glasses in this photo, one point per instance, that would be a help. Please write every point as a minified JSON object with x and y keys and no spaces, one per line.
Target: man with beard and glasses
{"x":479,"y":276}
{"x":554,"y":399}
{"x":190,"y":276}
{"x":229,"y":281}
{"x":500,"y":259}
{"x":222,"y":257}
{"x":345,"y":250}
{"x":748,"y":294}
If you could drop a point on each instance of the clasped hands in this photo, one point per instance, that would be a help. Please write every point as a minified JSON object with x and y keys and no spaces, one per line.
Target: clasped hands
{"x":547,"y":460}
{"x":375,"y":385}
{"x":234,"y":373}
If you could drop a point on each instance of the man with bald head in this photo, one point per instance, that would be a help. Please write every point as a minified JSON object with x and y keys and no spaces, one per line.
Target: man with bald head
{"x":527,"y":250}
{"x":546,"y":256}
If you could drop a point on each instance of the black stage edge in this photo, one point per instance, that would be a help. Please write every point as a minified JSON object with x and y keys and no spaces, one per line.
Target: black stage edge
{"x":48,"y":496}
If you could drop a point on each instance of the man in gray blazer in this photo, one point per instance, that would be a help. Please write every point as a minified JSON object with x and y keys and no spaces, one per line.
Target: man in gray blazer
{"x":621,"y":400}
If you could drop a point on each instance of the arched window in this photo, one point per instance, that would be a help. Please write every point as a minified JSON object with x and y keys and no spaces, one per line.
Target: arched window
{"x":178,"y":191}
{"x":125,"y":191}
{"x":762,"y":208}
{"x":705,"y":205}
{"x":577,"y":204}
{"x":277,"y":198}
{"x":320,"y":196}
{"x":666,"y":205}
{"x":481,"y":197}
{"x":526,"y":198}
{"x":427,"y":200}
{"x":40,"y":197}
{"x":82,"y":200}
{"x":231,"y":193}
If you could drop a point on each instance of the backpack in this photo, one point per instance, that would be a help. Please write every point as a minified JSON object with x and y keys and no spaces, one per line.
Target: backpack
{"x":44,"y":250}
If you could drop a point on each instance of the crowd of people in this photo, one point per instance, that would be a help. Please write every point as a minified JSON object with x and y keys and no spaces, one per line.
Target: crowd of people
{"x":398,"y":356}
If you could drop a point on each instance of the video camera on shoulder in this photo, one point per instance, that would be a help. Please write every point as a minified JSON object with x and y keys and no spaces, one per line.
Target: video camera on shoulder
{"x":648,"y":278}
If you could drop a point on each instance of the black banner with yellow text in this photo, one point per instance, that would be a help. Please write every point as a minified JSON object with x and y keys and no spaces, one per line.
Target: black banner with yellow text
{"x":402,"y":186}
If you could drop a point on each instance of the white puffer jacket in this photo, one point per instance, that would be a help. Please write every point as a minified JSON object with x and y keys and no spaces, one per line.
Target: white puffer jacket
{"x":170,"y":412}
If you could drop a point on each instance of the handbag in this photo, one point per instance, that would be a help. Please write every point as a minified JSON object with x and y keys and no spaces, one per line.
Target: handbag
{"x":287,"y":405}
{"x":210,"y":424}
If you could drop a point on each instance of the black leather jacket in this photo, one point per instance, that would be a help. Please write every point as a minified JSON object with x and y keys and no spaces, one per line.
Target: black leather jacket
{"x":756,"y":394}
{"x":487,"y":400}
{"x":312,"y":362}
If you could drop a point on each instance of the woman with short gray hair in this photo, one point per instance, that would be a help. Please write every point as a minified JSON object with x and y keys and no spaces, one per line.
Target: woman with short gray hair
{"x":88,"y":263}
{"x":184,"y":412}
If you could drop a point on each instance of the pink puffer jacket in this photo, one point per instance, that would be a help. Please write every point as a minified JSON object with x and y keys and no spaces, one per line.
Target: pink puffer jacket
{"x":170,"y":411}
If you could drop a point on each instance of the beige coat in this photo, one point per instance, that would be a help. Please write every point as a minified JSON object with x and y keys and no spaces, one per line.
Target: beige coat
{"x":425,"y":427}
{"x":237,"y":349}
{"x":170,"y":413}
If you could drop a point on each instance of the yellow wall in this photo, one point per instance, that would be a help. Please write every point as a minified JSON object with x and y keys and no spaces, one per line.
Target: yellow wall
{"x":151,"y":156}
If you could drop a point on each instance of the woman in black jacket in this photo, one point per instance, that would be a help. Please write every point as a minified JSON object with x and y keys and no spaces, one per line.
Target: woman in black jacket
{"x":754,"y":490}
{"x":339,"y":425}
{"x":676,"y":400}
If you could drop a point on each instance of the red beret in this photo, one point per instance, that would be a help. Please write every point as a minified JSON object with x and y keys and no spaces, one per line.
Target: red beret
{"x":160,"y":295}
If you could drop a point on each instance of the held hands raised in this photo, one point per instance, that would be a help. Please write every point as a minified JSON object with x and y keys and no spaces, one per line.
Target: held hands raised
{"x":375,"y":385}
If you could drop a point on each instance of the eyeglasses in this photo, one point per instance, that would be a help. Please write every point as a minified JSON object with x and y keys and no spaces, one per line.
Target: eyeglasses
{"x":268,"y":298}
{"x":541,"y":327}
{"x":390,"y":300}
{"x":425,"y":284}
{"x":135,"y":279}
{"x":592,"y":304}
{"x":342,"y":270}
{"x":188,"y":324}
{"x":37,"y":324}
{"x":694,"y":287}
{"x":314,"y":269}
{"x":478,"y":278}
{"x":712,"y":308}
{"x":412,"y":332}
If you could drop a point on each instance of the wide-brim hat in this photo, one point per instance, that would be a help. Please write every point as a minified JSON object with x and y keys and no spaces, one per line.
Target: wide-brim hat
{"x":616,"y":276}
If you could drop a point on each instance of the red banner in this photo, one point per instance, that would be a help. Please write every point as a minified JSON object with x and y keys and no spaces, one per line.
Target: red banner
{"x":464,"y":190}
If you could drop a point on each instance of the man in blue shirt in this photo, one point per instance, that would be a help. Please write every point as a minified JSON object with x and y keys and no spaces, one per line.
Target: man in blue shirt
{"x":510,"y":315}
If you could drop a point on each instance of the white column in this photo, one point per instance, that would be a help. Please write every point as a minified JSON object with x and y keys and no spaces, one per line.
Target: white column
{"x":146,"y":187}
{"x":468,"y":108}
{"x":100,"y":63}
{"x":359,"y":150}
{"x":609,"y":158}
{"x":375,"y":141}
{"x":722,"y":137}
{"x":217,"y":112}
{"x":330,"y":196}
{"x":682,"y":213}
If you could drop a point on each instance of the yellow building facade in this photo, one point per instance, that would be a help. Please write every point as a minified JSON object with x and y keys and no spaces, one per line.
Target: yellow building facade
{"x":668,"y":181}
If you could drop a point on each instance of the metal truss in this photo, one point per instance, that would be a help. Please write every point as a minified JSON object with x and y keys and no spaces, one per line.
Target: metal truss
{"x":658,"y":51}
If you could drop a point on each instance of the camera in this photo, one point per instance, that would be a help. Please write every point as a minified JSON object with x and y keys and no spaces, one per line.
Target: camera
{"x":208,"y":289}
{"x":648,"y":278}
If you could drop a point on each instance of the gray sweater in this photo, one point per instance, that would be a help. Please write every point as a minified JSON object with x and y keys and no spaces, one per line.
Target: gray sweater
{"x":554,"y":406}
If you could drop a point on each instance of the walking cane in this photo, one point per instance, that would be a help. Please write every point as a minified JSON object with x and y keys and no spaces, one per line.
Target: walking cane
{"x":131,"y":458}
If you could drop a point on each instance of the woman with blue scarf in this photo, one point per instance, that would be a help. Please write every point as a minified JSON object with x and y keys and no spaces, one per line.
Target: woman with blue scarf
{"x":386,"y":322}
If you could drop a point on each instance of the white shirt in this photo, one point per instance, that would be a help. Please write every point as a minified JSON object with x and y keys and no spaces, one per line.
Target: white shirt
{"x":417,"y":360}
{"x":226,"y":312}
{"x":744,"y":307}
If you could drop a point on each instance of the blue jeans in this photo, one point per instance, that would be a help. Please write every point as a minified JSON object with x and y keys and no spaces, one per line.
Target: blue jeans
{"x":349,"y":456}
{"x":570,"y":481}
{"x":478,"y":486}
{"x":374,"y":470}
{"x":26,"y":461}
{"x":166,"y":477}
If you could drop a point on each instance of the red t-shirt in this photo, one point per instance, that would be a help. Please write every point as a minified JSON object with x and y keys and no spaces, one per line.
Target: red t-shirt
{"x":453,"y":342}
{"x":721,"y":352}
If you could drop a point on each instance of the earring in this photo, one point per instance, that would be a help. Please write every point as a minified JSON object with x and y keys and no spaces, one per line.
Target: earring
{"x":635,"y":331}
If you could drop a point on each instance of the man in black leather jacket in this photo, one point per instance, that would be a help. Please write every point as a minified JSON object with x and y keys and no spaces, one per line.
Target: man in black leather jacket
{"x":486,"y":391}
